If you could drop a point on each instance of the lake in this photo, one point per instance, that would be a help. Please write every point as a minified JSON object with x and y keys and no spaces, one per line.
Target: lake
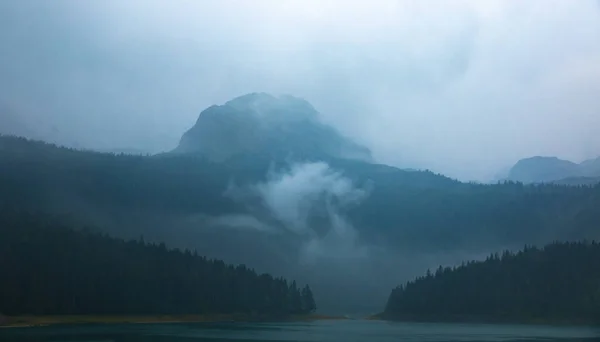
{"x":328,"y":331}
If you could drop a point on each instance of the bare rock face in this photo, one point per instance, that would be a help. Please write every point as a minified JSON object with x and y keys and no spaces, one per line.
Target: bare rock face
{"x":260,"y":123}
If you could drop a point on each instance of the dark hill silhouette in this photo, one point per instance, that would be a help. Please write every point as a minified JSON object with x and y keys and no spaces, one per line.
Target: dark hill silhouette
{"x":555,"y":284}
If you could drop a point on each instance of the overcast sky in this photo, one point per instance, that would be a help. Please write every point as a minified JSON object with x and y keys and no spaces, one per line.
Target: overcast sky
{"x":465,"y":88}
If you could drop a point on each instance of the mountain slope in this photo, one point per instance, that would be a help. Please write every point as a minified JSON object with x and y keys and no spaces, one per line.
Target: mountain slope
{"x":412,"y":209}
{"x":542,"y":169}
{"x":265,"y":124}
{"x":551,"y":169}
{"x":590,"y":168}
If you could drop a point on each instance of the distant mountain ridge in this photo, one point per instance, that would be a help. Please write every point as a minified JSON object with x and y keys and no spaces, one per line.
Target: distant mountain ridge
{"x":551,"y":169}
{"x":266,"y":124}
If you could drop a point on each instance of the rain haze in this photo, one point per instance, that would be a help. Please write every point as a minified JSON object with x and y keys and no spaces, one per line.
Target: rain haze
{"x":464,"y":88}
{"x":299,"y":161}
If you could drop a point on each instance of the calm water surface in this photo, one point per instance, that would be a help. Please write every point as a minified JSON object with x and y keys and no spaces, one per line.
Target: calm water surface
{"x":338,"y":331}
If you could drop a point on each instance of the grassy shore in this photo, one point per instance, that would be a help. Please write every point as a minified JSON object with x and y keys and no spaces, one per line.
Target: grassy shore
{"x":32,"y":321}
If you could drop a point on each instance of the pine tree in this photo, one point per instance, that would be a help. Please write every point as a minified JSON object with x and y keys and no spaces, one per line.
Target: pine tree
{"x":308,"y":301}
{"x":295,"y":298}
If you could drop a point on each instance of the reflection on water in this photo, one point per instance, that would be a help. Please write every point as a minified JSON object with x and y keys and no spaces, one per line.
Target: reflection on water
{"x":339,"y":331}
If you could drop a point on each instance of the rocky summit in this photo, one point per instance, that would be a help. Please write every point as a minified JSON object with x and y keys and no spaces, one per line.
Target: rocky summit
{"x":261,"y":123}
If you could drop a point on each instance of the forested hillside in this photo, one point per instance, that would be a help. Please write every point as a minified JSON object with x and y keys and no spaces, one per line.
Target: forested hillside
{"x":559,"y":283}
{"x":49,"y":269}
{"x":408,"y":209}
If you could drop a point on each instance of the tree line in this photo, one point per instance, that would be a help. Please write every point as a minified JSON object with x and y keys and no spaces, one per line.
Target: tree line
{"x":48,"y":268}
{"x":557,"y":283}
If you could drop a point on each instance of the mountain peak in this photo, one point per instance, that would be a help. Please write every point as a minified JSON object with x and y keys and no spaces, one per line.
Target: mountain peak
{"x":260,"y":123}
{"x":269,"y":107}
{"x":550,"y":169}
{"x":251,"y":99}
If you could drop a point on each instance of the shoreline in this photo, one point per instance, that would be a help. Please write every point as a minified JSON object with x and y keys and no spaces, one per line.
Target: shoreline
{"x":48,"y":320}
{"x":484,"y":320}
{"x":31,"y":321}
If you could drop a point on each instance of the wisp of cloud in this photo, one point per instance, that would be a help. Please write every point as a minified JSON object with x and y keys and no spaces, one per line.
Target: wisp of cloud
{"x":308,"y":200}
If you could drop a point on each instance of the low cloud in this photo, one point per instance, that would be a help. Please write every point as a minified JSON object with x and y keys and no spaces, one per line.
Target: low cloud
{"x":308,"y":201}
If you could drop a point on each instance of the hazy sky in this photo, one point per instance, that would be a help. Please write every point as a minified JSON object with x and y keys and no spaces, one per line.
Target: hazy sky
{"x":461,"y":87}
